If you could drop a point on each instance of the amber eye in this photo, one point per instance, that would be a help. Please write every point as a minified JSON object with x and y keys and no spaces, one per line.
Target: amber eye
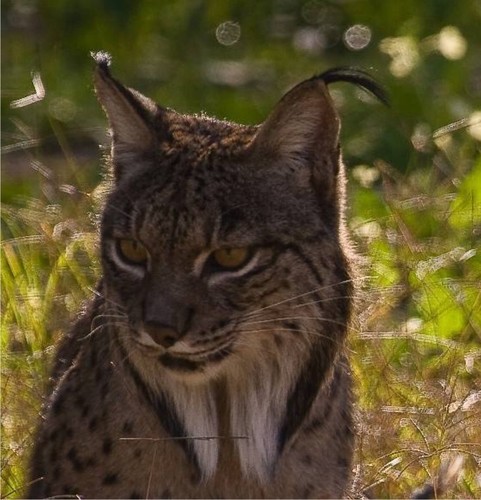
{"x":132,"y":251}
{"x":231,"y":258}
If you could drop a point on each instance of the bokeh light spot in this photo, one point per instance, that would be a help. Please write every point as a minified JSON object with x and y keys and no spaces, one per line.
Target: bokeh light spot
{"x":451,"y":43}
{"x":309,"y":40}
{"x":357,"y":37}
{"x":475,"y":125}
{"x":228,"y":33}
{"x":62,"y":109}
{"x":404,"y":54}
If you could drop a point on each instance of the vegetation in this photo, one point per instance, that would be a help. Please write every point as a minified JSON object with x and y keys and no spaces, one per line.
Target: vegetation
{"x":414,"y":198}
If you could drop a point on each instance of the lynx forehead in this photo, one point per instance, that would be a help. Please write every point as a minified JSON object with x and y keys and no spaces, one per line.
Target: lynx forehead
{"x":211,"y":361}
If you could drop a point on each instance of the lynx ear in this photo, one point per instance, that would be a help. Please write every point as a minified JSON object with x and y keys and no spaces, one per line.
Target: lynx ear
{"x":302,"y":130}
{"x":304,"y":118}
{"x":130,"y":114}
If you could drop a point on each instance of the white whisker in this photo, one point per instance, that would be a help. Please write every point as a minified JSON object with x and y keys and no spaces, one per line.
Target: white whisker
{"x":99,"y":328}
{"x":310,"y":292}
{"x":321,"y":301}
{"x":318,"y":318}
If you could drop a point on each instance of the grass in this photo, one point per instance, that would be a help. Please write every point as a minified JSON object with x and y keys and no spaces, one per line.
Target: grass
{"x":417,"y":354}
{"x":48,"y":266}
{"x":416,"y":348}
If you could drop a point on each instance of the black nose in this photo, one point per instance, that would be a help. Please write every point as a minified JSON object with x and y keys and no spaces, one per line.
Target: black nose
{"x":164,"y":335}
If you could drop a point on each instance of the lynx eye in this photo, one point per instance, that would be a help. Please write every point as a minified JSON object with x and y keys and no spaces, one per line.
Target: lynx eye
{"x":132,"y":251}
{"x":231,"y":258}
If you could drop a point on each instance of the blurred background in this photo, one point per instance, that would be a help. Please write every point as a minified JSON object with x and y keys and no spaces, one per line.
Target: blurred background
{"x":414,"y":197}
{"x":234,"y":59}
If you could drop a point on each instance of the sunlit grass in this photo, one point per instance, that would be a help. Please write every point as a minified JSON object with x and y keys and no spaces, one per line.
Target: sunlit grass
{"x":417,"y":357}
{"x":48,"y":264}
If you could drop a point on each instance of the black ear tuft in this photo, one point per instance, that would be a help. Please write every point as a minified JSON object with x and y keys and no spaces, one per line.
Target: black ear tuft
{"x":102,"y":58}
{"x":357,"y":77}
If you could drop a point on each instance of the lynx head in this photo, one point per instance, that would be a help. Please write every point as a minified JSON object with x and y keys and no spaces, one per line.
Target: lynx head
{"x":222,"y":241}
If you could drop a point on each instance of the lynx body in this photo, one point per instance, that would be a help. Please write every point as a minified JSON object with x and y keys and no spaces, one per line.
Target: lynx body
{"x":211,"y":361}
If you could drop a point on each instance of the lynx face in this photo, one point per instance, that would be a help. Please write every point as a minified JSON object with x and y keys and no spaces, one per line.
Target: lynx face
{"x":217,"y":235}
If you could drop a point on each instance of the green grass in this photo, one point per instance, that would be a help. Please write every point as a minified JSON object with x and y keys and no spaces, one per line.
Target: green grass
{"x":417,"y":356}
{"x":416,"y":346}
{"x":48,"y":266}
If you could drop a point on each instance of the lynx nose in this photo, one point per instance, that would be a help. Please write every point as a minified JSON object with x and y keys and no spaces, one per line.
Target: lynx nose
{"x":166,"y":318}
{"x":164,"y":335}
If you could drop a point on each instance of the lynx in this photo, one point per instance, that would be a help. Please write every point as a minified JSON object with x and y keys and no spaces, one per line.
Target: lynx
{"x":211,"y":362}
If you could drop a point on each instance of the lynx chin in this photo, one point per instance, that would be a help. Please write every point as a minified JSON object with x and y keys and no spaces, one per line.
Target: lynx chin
{"x":211,"y":361}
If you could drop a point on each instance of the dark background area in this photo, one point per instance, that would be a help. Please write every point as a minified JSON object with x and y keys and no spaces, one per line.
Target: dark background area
{"x":233,"y":60}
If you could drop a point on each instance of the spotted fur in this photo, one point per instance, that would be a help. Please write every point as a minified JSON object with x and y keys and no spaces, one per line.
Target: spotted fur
{"x":183,"y":379}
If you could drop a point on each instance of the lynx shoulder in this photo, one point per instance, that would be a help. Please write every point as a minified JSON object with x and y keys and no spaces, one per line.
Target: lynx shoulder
{"x":211,"y":361}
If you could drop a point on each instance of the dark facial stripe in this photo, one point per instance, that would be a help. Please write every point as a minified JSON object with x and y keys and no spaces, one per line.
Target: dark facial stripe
{"x":258,"y":297}
{"x":307,"y":261}
{"x":331,"y":394}
{"x":235,"y":306}
{"x":164,"y":411}
{"x":301,"y":398}
{"x":218,"y":356}
{"x":260,"y":269}
{"x":187,"y":365}
{"x":180,"y":364}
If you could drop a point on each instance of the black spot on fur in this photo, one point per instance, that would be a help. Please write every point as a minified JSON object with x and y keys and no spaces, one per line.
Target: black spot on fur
{"x":76,"y":462}
{"x":306,"y":459}
{"x":307,"y":491}
{"x":93,"y":424}
{"x":107,"y":446}
{"x":85,"y":410}
{"x":317,"y":423}
{"x":166,"y":494}
{"x":72,"y":453}
{"x":137,"y":453}
{"x":135,"y":494}
{"x":292,"y":326}
{"x":79,"y":401}
{"x":99,"y":374}
{"x":110,"y":478}
{"x":128,"y":427}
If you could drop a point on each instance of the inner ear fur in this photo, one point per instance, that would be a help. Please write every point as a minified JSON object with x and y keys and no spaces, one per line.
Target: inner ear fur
{"x":128,"y":111}
{"x":302,"y":131}
{"x":133,"y":118}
